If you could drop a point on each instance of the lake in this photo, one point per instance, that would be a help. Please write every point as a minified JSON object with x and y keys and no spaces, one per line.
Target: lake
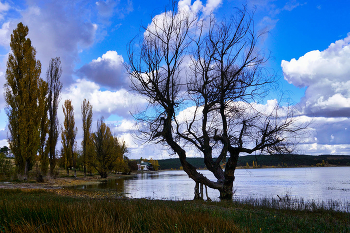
{"x":316,"y":183}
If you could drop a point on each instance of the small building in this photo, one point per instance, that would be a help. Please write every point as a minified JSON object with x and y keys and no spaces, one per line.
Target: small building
{"x":143,"y":166}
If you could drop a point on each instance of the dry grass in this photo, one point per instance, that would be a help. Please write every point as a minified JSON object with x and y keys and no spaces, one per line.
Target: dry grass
{"x":40,"y":211}
{"x":62,"y":210}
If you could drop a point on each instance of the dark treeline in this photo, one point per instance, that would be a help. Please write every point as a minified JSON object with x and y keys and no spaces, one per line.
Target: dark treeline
{"x":286,"y":160}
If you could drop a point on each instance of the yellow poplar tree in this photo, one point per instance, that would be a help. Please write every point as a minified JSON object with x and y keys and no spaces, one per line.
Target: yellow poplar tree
{"x":108,"y":152}
{"x":86,"y":112}
{"x":121,"y":162}
{"x":68,"y":136}
{"x":103,"y":142}
{"x":23,"y":89}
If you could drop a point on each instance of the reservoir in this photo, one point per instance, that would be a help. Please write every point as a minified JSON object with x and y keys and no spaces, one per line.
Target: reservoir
{"x":320,"y":184}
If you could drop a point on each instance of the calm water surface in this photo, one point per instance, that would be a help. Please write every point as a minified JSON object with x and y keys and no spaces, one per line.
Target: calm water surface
{"x":318,"y":183}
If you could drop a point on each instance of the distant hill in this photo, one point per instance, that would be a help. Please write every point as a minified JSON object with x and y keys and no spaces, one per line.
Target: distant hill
{"x":288,"y":160}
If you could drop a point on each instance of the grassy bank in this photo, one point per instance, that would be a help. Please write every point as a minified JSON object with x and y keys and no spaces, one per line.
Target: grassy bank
{"x":82,"y":211}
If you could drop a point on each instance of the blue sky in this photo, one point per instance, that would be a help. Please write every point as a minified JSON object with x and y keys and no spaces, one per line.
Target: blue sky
{"x":308,"y":43}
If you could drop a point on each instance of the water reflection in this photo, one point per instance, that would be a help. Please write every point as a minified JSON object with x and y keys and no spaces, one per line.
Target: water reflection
{"x":320,"y":184}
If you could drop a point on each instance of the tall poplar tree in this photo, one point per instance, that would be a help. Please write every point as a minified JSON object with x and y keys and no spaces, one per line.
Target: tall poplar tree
{"x":86,"y":112}
{"x":68,"y":136}
{"x":44,"y":124}
{"x":23,"y":89}
{"x":53,"y":75}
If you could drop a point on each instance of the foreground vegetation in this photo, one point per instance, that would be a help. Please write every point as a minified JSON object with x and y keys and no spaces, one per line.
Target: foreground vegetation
{"x":82,"y":211}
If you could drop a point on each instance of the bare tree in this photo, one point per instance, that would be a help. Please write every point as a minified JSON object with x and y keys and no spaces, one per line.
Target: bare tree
{"x":53,"y":75}
{"x":219,"y":86}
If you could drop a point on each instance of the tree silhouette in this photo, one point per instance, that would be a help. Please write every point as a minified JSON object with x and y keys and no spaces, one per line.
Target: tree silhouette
{"x":53,"y":75}
{"x":214,"y":70}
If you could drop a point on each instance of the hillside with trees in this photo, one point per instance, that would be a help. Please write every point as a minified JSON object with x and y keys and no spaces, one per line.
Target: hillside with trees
{"x":260,"y":161}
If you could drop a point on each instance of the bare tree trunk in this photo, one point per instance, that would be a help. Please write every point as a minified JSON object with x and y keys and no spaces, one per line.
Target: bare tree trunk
{"x":196,"y":192}
{"x":201,"y":191}
{"x":52,"y":161}
{"x":227,"y":192}
{"x":206,"y":192}
{"x":103,"y":174}
{"x":26,"y":170}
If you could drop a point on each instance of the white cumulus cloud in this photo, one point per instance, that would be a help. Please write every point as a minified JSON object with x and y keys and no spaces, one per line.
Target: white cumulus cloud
{"x":104,"y":103}
{"x":326,"y":75}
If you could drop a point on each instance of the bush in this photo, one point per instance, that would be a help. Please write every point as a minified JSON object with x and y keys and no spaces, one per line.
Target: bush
{"x":6,"y":167}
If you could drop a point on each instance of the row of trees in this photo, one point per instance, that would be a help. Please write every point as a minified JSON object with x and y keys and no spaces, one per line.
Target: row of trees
{"x":29,"y":100}
{"x":100,"y":150}
{"x":32,"y":106}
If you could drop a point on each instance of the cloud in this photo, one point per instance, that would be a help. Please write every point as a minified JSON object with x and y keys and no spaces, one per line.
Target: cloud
{"x":125,"y":125}
{"x":56,"y":29}
{"x":291,"y":5}
{"x":3,"y":8}
{"x":3,"y":143}
{"x":126,"y":9}
{"x":3,"y":134}
{"x":326,"y":76}
{"x":211,"y":6}
{"x":185,"y":9}
{"x":109,"y":8}
{"x":5,"y":34}
{"x":197,"y":6}
{"x":107,"y":71}
{"x":269,"y":21}
{"x":327,"y":135}
{"x":106,"y":8}
{"x":104,"y":103}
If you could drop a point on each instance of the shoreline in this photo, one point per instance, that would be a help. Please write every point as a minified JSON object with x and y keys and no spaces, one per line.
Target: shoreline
{"x":62,"y":182}
{"x":59,"y":183}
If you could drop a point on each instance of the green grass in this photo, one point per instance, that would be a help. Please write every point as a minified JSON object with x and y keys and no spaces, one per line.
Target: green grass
{"x":75,"y":211}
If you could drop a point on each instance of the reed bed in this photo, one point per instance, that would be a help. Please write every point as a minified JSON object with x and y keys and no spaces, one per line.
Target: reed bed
{"x":81,"y":211}
{"x":290,"y":203}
